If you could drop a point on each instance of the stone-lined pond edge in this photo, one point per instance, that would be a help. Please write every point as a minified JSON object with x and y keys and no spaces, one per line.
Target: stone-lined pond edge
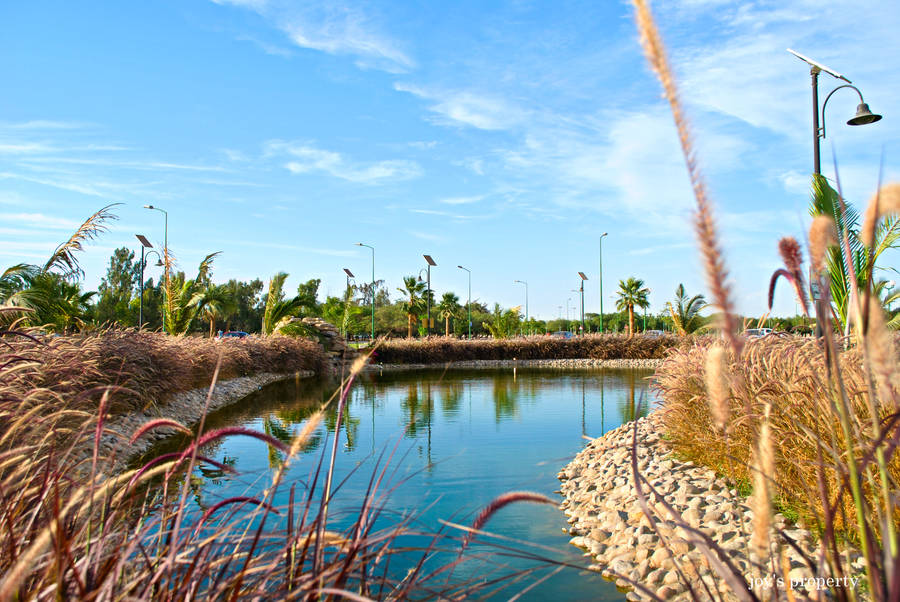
{"x":648,"y":364}
{"x":607,"y":521}
{"x":185,"y":407}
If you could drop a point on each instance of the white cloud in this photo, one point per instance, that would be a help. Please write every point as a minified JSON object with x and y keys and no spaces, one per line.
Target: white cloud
{"x":334,"y":28}
{"x":469,"y":108}
{"x":307,"y":158}
{"x":38,"y":220}
{"x":44,"y":124}
{"x":461,"y":200}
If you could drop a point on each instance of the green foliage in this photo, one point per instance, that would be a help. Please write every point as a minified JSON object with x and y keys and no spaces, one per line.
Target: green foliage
{"x":414,"y":304}
{"x":183,"y":297}
{"x":116,"y":289}
{"x":279,"y":311}
{"x":504,"y":324}
{"x":826,"y":201}
{"x":632,"y":293}
{"x":686,"y":312}
{"x":449,"y":309}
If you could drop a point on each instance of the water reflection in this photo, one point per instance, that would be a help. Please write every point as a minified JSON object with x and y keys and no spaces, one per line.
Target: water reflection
{"x":474,"y":435}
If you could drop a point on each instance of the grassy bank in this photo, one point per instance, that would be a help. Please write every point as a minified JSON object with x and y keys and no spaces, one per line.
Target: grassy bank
{"x":447,"y":349}
{"x":789,"y":376}
{"x":145,"y":367}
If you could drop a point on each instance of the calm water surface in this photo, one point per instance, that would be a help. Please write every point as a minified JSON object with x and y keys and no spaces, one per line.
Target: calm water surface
{"x":465,"y":437}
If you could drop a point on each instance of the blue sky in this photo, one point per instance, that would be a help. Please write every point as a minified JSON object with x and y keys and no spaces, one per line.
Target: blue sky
{"x":503,"y":136}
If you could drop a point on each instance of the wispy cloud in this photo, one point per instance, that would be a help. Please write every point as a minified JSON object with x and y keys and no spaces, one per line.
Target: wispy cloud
{"x":289,"y":247}
{"x":39,"y":220}
{"x":461,"y":200}
{"x":468,"y":108}
{"x":427,"y":236}
{"x":44,"y":124}
{"x":335,"y":28}
{"x":307,"y":158}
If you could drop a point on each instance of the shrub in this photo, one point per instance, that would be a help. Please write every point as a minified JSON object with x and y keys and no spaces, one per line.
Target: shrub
{"x":601,"y":347}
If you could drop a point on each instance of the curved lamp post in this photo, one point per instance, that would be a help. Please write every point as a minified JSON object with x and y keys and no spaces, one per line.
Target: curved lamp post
{"x":469,"y":304}
{"x":526,"y":297}
{"x":601,"y":281}
{"x":145,"y":244}
{"x":863,"y":114}
{"x":359,"y":244}
{"x":583,"y":278}
{"x":430,"y":263}
{"x":165,"y":254}
{"x":347,"y":295}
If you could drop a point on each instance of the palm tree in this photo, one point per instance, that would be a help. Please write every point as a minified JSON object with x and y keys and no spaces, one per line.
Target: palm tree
{"x":825,"y":201}
{"x":632,"y":293}
{"x":49,"y":295}
{"x":279,"y":311}
{"x":449,"y":308}
{"x":412,"y":306}
{"x":686,"y":312}
{"x":214,"y":303}
{"x":183,"y":297}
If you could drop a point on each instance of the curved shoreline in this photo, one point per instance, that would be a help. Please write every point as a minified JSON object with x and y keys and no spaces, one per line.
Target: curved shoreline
{"x":514,"y":363}
{"x":185,"y":407}
{"x":607,"y":520}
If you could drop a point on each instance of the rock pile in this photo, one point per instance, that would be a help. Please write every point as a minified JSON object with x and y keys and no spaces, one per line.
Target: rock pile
{"x":607,"y":520}
{"x":331,"y":339}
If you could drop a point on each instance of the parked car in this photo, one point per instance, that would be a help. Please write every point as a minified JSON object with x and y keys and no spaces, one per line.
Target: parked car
{"x":562,"y":334}
{"x":757,"y":333}
{"x":232,"y":334}
{"x":654,"y":334}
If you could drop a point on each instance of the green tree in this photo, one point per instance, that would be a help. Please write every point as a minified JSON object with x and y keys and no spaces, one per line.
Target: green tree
{"x":183,"y":297}
{"x":116,"y":289}
{"x":214,"y":303}
{"x":504,"y":324}
{"x":278,"y":310}
{"x":632,"y":294}
{"x":415,"y":303}
{"x":50,"y":295}
{"x":686,"y":312}
{"x":862,"y":259}
{"x":449,"y":308}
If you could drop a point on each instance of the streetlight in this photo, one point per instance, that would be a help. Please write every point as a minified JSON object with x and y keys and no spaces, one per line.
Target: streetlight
{"x":469,"y":304}
{"x":526,"y":297}
{"x":165,"y":254}
{"x":567,"y":311}
{"x":145,"y":244}
{"x":863,"y":114}
{"x":601,"y":281}
{"x":430,"y":263}
{"x":347,"y":294}
{"x":645,"y":312}
{"x":583,"y":278}
{"x":359,"y":244}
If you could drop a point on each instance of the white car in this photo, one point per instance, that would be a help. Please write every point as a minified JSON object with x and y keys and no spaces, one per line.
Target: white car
{"x":757,"y":333}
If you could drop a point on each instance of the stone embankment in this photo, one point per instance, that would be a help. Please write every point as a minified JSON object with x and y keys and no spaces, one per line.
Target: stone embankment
{"x":607,"y":521}
{"x":185,"y":407}
{"x":513,"y":363}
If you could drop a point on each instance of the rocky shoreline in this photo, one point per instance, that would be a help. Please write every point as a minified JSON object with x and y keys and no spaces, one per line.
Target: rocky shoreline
{"x":606,"y":519}
{"x":185,"y":407}
{"x":648,"y":364}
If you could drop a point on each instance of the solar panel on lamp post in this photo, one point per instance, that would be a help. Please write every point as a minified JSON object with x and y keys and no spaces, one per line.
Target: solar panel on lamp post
{"x":145,"y":244}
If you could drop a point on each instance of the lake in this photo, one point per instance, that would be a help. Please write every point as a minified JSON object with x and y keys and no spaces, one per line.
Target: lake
{"x":459,"y":438}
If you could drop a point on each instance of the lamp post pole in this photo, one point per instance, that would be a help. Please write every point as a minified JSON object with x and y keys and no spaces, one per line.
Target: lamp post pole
{"x":145,"y":244}
{"x":583,"y":278}
{"x":601,"y":281}
{"x":526,"y":298}
{"x":863,"y":114}
{"x":359,"y":244}
{"x":469,"y":304}
{"x":165,"y":255}
{"x":346,"y":299}
{"x":430,"y":261}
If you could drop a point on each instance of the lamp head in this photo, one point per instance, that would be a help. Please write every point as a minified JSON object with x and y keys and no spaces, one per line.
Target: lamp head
{"x":863,"y":116}
{"x":159,"y":264}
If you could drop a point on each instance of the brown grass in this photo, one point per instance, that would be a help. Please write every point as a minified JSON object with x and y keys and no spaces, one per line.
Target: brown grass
{"x":790,"y":376}
{"x":148,"y":367}
{"x":601,"y":347}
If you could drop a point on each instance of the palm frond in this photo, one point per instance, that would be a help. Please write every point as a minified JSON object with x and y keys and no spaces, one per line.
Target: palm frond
{"x":64,"y":259}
